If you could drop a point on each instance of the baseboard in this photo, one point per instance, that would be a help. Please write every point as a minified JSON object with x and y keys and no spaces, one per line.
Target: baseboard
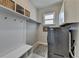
{"x":34,"y":46}
{"x":39,"y":42}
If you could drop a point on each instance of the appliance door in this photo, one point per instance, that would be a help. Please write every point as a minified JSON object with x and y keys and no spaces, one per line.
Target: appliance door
{"x":58,"y":43}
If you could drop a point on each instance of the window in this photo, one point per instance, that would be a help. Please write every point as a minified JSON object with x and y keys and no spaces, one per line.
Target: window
{"x":48,"y":18}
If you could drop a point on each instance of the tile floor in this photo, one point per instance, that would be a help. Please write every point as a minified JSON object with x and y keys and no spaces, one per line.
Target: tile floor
{"x":39,"y":52}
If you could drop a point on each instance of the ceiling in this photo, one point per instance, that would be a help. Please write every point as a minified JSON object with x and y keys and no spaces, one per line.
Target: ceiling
{"x":43,"y":3}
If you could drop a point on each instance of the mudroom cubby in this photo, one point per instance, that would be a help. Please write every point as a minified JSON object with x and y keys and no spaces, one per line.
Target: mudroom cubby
{"x":14,"y":6}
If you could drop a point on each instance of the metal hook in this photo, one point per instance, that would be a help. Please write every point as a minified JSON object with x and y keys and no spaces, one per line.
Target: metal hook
{"x":14,"y":19}
{"x":5,"y":17}
{"x":21,"y":21}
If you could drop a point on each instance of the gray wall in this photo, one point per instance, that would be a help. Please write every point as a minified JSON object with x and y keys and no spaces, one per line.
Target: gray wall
{"x":31,"y":33}
{"x":12,"y":32}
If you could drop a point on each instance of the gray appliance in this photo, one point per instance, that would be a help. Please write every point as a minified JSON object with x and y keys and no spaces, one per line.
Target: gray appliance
{"x":58,"y":42}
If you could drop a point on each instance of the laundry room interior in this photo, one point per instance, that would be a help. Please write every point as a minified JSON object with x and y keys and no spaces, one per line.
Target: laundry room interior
{"x":39,"y":28}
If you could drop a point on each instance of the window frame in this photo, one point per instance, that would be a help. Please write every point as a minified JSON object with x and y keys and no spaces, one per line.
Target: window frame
{"x":49,"y":19}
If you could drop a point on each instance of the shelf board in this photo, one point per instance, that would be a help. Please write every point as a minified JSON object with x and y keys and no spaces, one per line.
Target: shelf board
{"x":12,"y":12}
{"x":66,"y":24}
{"x":18,"y":52}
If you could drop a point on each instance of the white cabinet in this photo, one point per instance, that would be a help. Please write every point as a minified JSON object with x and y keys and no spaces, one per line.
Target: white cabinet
{"x":69,"y":11}
{"x":61,"y":15}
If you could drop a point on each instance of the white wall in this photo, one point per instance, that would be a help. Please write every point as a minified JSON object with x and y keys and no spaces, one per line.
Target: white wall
{"x":52,"y":8}
{"x":42,"y":36}
{"x":33,"y":11}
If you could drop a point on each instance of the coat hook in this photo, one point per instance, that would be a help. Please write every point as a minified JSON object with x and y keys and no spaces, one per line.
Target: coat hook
{"x":5,"y":17}
{"x":27,"y":20}
{"x":14,"y":19}
{"x":21,"y":21}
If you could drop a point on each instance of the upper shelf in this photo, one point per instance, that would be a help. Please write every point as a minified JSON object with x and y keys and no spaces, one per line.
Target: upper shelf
{"x":10,"y":11}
